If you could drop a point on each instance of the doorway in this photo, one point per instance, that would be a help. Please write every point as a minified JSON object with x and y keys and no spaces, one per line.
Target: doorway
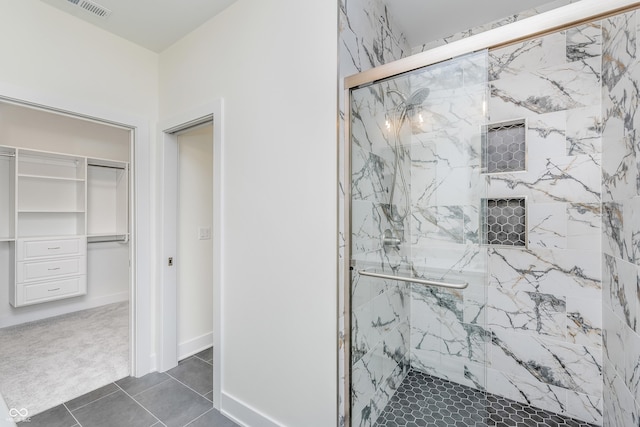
{"x":66,"y":308}
{"x":194,"y":240}
{"x":179,"y":337}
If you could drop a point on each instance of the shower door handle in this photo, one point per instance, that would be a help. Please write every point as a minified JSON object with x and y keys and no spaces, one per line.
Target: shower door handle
{"x":414,"y":280}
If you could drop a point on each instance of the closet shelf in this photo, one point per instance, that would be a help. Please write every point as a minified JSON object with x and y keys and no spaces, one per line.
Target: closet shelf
{"x":50,"y":177}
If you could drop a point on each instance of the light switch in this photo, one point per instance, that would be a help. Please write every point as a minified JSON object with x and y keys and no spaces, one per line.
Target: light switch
{"x":204,"y":233}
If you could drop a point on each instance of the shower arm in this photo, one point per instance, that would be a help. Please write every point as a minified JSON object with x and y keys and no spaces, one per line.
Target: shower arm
{"x":414,"y":280}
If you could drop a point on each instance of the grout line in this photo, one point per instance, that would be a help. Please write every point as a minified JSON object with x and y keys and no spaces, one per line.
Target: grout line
{"x":202,"y":395}
{"x":143,"y":391}
{"x":89,"y":403}
{"x":198,"y":417}
{"x":205,"y":361}
{"x":71,"y":413}
{"x":141,"y":405}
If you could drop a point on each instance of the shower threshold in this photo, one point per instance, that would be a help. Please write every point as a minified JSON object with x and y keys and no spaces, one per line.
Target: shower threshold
{"x":425,"y":400}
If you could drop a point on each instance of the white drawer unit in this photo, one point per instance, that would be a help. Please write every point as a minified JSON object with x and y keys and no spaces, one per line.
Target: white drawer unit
{"x":29,"y":249}
{"x":51,"y":290}
{"x":48,"y":269}
{"x":42,"y":270}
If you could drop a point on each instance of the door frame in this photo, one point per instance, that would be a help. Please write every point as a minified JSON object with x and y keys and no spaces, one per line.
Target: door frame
{"x":167,"y":348}
{"x":140,"y":321}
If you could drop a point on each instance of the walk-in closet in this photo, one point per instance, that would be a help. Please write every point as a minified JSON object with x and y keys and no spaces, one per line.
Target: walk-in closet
{"x":65,"y":251}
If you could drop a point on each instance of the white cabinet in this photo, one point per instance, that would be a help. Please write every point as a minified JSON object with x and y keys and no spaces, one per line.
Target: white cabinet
{"x":51,"y":206}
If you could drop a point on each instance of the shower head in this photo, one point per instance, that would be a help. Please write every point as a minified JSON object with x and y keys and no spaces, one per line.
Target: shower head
{"x":417,"y":97}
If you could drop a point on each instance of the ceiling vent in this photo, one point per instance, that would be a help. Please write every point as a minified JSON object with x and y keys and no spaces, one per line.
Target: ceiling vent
{"x":91,"y":7}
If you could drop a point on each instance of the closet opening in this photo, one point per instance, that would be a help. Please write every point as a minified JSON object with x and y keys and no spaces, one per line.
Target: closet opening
{"x":66,"y":255}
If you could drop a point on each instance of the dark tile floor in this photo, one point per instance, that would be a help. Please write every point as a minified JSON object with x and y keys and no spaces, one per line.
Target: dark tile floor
{"x":180,"y":397}
{"x":424,"y":400}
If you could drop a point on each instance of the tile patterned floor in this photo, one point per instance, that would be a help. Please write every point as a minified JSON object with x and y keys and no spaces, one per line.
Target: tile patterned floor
{"x":424,"y":400}
{"x":180,"y":397}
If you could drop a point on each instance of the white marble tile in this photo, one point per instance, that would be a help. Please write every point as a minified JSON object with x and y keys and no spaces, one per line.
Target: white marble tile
{"x":557,"y":272}
{"x":620,"y":409}
{"x":546,"y":134}
{"x":547,"y":224}
{"x":572,"y":179}
{"x":632,"y":363}
{"x":613,"y":242}
{"x":631,"y":229}
{"x":619,"y":46}
{"x":584,"y":321}
{"x":535,"y":54}
{"x":527,"y":390}
{"x":564,"y":87}
{"x":437,"y":223}
{"x":564,"y":365}
{"x":584,"y":130}
{"x":620,"y":280}
{"x":585,"y":407}
{"x":618,"y":169}
{"x":527,"y":312}
{"x":367,"y":225}
{"x":614,"y":338}
{"x":366,"y":375}
{"x":475,"y":307}
{"x":584,"y":226}
{"x":441,"y":261}
{"x":584,"y":41}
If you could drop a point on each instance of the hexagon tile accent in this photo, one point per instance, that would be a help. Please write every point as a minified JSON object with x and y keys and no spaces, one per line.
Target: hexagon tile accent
{"x":504,"y":222}
{"x":424,"y":400}
{"x":505,"y":147}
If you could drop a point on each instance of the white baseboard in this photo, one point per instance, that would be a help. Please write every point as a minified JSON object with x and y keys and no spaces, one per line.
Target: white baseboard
{"x":57,"y":308}
{"x":153,"y":362}
{"x":195,"y":345}
{"x":243,"y":414}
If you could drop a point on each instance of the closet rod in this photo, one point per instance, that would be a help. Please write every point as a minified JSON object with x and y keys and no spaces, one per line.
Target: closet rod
{"x":104,"y":166}
{"x":7,"y":155}
{"x":105,"y":240}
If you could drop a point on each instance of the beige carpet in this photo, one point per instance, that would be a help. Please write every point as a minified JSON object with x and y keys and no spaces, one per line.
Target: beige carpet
{"x":48,"y":362}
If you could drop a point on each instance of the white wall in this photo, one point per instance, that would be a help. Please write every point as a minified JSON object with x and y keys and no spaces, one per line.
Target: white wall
{"x":194,"y":256}
{"x":274,"y":63}
{"x":51,"y":52}
{"x":50,"y":55}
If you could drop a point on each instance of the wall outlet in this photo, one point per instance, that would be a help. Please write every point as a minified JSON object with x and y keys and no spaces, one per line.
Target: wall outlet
{"x":204,"y":233}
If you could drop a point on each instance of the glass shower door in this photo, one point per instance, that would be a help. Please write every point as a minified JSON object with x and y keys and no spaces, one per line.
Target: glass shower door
{"x":418,"y":269}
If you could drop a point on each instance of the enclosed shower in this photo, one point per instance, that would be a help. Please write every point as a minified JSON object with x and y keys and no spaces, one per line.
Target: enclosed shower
{"x":492,"y":233}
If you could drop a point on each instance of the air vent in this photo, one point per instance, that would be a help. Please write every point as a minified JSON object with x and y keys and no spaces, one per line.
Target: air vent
{"x":94,"y":8}
{"x":74,"y":1}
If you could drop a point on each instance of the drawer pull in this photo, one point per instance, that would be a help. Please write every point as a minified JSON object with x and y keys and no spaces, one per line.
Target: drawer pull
{"x":53,"y":290}
{"x":54,"y":249}
{"x":54,"y":269}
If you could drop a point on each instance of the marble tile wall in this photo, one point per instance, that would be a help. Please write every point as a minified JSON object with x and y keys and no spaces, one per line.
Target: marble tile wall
{"x":369,"y":37}
{"x":621,"y":220}
{"x":548,"y":344}
{"x":494,"y":24}
{"x":544,"y":301}
{"x":448,"y":338}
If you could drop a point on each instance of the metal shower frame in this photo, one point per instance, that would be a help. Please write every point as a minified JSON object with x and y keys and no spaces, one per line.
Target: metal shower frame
{"x":572,"y":15}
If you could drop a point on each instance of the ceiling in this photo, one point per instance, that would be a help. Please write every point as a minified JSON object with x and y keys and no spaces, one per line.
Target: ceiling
{"x":157,"y":24}
{"x":427,"y":20}
{"x":154,"y":24}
